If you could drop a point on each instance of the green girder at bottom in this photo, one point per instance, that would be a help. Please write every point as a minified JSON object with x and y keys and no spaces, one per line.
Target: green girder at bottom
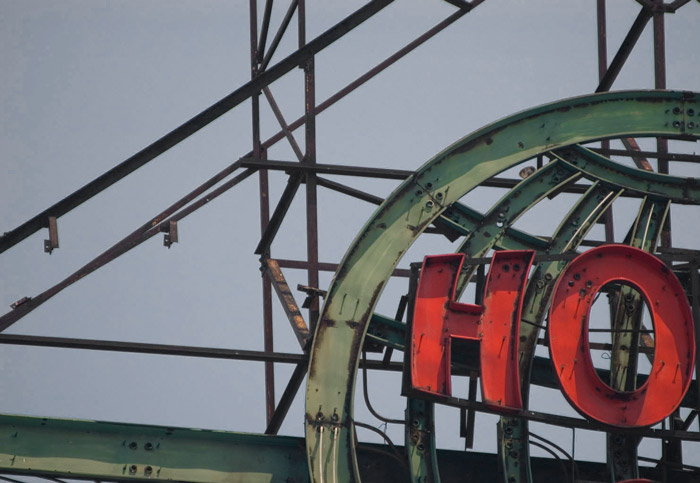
{"x":62,"y":448}
{"x":417,"y":203}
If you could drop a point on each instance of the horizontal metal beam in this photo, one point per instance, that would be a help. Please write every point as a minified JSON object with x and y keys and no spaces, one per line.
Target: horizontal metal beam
{"x":144,"y":348}
{"x":170,"y":350}
{"x":342,"y":170}
{"x":691,"y":158}
{"x":193,"y":125}
{"x":61,"y":448}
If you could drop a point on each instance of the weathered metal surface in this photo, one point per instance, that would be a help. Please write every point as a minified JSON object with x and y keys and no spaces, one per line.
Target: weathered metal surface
{"x":88,"y":449}
{"x":272,"y":271}
{"x":57,"y":448}
{"x":418,"y":202}
{"x":421,"y":450}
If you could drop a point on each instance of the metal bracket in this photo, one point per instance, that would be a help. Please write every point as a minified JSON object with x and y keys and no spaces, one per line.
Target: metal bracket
{"x":52,"y":242}
{"x":311,"y":292}
{"x":171,"y":236}
{"x":21,"y":301}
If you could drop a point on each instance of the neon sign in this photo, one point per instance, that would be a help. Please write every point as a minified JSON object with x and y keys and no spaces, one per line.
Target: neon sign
{"x":438,"y":319}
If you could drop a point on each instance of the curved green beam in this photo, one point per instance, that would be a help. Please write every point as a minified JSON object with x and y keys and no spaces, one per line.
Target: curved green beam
{"x":415,"y":204}
{"x":567,"y":237}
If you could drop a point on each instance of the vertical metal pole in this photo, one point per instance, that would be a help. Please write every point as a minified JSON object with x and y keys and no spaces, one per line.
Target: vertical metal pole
{"x":310,"y":158}
{"x":264,"y":218}
{"x":602,"y":69}
{"x":660,"y":83}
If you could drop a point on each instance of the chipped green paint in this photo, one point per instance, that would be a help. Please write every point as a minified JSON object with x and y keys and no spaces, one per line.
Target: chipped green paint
{"x":421,"y":200}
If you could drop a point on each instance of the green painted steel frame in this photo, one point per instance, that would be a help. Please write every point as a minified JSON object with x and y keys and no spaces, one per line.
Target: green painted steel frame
{"x":419,"y":201}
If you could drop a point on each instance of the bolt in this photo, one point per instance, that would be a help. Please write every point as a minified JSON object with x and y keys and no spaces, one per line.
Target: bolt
{"x":429,"y":204}
{"x":548,"y":277}
{"x":133,"y":445}
{"x":691,"y":112}
{"x":506,"y":267}
{"x":132,"y":469}
{"x":691,"y":124}
{"x":577,"y":276}
{"x":571,"y":283}
{"x":148,"y":447}
{"x":516,"y":267}
{"x":148,"y":470}
{"x":676,"y":110}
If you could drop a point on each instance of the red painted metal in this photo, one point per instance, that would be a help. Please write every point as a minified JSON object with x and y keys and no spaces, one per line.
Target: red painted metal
{"x":438,"y":319}
{"x":569,"y":348}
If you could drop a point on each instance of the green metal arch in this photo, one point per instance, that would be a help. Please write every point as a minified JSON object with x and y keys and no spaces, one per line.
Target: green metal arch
{"x":415,"y":204}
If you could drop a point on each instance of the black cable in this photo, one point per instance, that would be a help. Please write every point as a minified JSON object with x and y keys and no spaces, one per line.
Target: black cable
{"x":366,"y":395}
{"x":559,"y":460}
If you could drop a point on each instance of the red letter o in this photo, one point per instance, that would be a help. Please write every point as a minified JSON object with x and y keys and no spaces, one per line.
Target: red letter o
{"x":672,"y":368}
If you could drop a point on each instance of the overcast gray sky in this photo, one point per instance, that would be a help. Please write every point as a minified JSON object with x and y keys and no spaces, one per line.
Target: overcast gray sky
{"x":86,"y":84}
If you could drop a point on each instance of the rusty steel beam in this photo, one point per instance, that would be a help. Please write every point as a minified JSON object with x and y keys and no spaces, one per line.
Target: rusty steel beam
{"x":272,"y":271}
{"x":191,"y":126}
{"x":283,"y":124}
{"x":374,"y":71}
{"x":278,"y":215}
{"x":140,"y":235}
{"x":147,"y":348}
{"x":287,"y":398}
{"x":623,"y":53}
{"x":278,"y":36}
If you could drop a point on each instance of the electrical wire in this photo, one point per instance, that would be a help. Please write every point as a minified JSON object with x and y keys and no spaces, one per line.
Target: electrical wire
{"x":562,"y":450}
{"x":384,"y":436}
{"x":320,"y":453}
{"x":366,"y":395}
{"x":559,"y":460}
{"x":334,"y":437}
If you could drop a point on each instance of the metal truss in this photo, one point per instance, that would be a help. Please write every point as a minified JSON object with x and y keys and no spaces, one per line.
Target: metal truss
{"x":333,"y":339}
